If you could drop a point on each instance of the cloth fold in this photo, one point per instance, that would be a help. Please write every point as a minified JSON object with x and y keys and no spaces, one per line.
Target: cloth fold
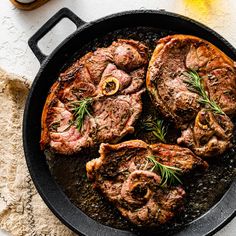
{"x":22,"y":211}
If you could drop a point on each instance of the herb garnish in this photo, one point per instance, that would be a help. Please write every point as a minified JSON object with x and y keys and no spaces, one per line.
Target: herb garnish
{"x":80,"y":109}
{"x":157,"y":127}
{"x":195,"y":85}
{"x":168,"y":173}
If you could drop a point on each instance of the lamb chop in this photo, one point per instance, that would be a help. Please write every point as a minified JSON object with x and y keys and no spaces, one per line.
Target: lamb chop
{"x":210,"y":134}
{"x":97,"y":99}
{"x":125,"y":174}
{"x":170,"y":89}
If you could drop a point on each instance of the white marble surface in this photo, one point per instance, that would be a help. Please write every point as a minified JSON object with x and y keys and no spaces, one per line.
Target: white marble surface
{"x":17,"y":26}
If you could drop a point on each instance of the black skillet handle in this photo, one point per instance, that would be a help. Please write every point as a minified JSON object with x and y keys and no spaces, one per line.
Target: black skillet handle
{"x":63,"y":13}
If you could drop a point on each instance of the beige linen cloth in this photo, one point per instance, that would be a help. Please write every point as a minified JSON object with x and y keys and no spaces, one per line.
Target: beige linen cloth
{"x":22,"y":211}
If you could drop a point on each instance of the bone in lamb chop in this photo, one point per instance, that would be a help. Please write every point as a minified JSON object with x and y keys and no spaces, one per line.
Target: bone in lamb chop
{"x":127,"y":175}
{"x":97,"y":99}
{"x":193,"y":83}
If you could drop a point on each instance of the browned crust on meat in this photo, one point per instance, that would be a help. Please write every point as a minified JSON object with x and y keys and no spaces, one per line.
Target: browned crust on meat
{"x":93,"y":165}
{"x":163,"y":41}
{"x":180,"y":154}
{"x":150,"y":86}
{"x":105,"y":148}
{"x":44,"y":126}
{"x":141,"y":48}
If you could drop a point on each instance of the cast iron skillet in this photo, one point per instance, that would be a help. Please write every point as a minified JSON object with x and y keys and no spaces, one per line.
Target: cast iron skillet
{"x":51,"y":65}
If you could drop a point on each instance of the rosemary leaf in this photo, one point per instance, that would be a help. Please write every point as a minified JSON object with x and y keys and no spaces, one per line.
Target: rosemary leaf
{"x":195,"y":85}
{"x":157,"y":128}
{"x":54,"y":126}
{"x":80,"y":109}
{"x":169,"y":174}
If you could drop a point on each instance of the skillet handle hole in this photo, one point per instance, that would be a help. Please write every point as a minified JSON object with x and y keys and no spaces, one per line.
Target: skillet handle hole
{"x":56,"y":35}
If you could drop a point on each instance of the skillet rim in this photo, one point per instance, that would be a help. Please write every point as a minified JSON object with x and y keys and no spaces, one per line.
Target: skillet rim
{"x":48,"y":194}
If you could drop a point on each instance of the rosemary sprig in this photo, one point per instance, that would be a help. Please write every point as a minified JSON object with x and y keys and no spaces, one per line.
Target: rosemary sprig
{"x":168,"y":173}
{"x":157,"y":127}
{"x":195,"y":85}
{"x":80,"y":109}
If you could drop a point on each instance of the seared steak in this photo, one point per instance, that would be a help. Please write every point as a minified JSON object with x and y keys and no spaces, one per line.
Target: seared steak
{"x":111,"y":79}
{"x":125,"y":177}
{"x":173,"y":56}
